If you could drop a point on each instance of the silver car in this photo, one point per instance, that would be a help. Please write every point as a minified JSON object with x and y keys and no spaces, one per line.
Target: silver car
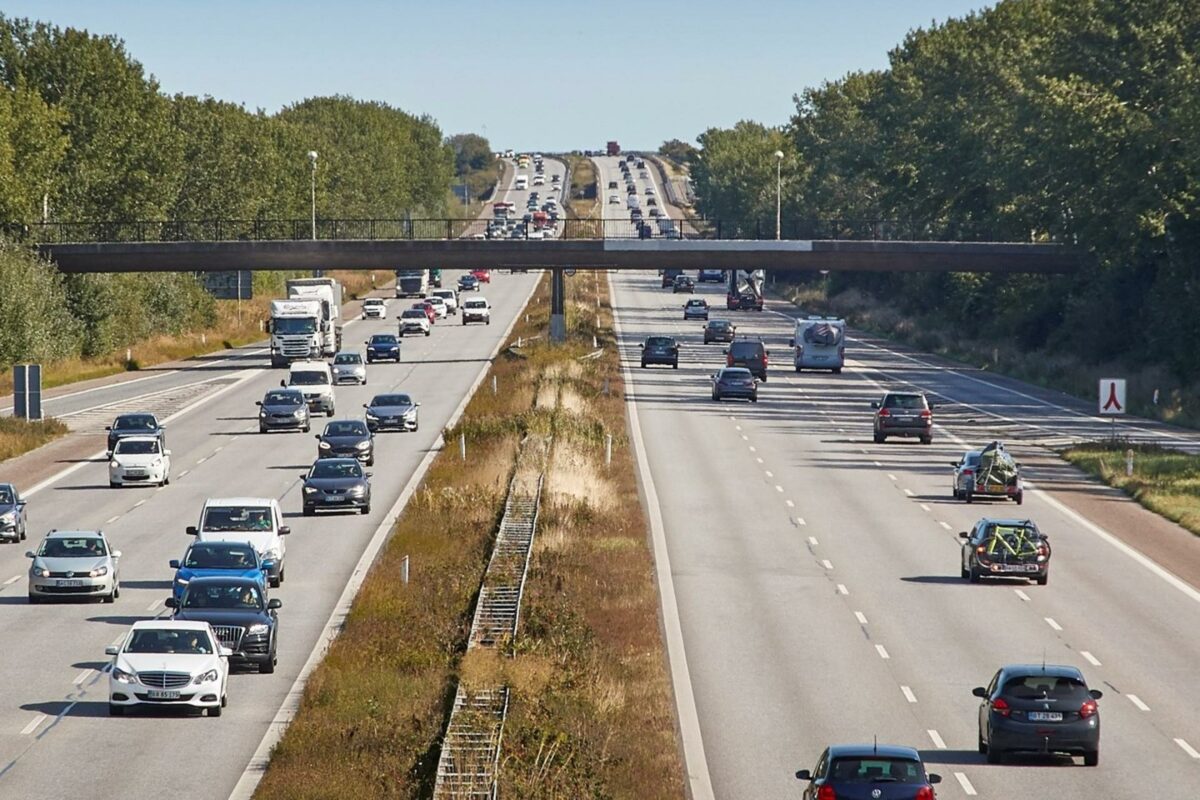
{"x":74,"y":564}
{"x":348,"y":367}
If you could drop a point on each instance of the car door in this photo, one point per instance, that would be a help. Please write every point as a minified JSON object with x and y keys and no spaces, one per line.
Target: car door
{"x":818,"y":776}
{"x":280,"y":541}
{"x":968,"y":548}
{"x":985,"y":705}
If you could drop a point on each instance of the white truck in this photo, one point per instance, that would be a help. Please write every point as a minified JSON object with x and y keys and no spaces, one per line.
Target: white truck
{"x":329,"y":292}
{"x":295,"y":328}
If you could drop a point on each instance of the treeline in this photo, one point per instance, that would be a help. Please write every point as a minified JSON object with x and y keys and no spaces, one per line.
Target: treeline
{"x":87,"y":135}
{"x":1073,"y":121}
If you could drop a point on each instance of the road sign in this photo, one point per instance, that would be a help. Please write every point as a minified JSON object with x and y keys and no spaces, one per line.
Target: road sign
{"x":1112,"y":396}
{"x":27,"y":391}
{"x":236,"y":285}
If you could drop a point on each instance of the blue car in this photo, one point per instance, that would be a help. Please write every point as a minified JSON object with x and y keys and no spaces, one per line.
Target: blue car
{"x":217,"y":559}
{"x":383,"y":347}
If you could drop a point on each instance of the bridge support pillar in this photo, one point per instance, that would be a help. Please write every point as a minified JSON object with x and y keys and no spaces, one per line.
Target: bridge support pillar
{"x":558,"y":319}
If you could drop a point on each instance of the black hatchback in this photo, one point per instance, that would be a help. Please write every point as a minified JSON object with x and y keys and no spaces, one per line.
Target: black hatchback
{"x":135,"y":425}
{"x":748,"y":353}
{"x":660,"y":350}
{"x":1039,"y":709}
{"x":869,"y":772}
{"x":347,"y":438}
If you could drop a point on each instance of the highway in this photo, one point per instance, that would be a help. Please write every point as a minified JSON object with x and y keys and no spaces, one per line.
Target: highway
{"x":816,"y":573}
{"x":54,"y":725}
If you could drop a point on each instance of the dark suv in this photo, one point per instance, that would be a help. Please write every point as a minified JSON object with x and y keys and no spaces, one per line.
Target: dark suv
{"x":668,"y":277}
{"x":1038,"y":708}
{"x":903,"y":414}
{"x":660,"y":350}
{"x":241,"y":616}
{"x":141,"y":424}
{"x":748,"y":353}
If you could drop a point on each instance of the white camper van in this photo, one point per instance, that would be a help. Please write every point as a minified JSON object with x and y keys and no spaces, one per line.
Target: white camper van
{"x":820,"y":343}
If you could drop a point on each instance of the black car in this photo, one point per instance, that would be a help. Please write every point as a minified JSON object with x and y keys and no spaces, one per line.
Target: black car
{"x":719,"y":330}
{"x":241,"y":616}
{"x":12,"y":514}
{"x":468,"y":282}
{"x":1005,"y":548}
{"x":1039,"y":709}
{"x":734,"y":382}
{"x":140,"y":424}
{"x":334,"y":484}
{"x":397,"y":412}
{"x":383,"y":347}
{"x":744,"y":301}
{"x":660,"y":350}
{"x":709,"y":275}
{"x":903,"y":414}
{"x":748,"y":353}
{"x":869,"y":772}
{"x":347,"y":438}
{"x":683,"y":283}
{"x":668,"y":277}
{"x":283,"y":409}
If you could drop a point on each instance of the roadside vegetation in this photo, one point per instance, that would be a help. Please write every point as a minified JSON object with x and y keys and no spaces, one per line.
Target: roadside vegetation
{"x":18,"y":436}
{"x":590,"y":711}
{"x":1165,"y":481}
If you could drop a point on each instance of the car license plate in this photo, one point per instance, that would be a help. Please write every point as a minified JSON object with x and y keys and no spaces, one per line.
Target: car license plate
{"x":335,"y":499}
{"x":68,"y":583}
{"x":163,"y":694}
{"x":135,"y":473}
{"x":1045,"y":716}
{"x":1019,"y":567}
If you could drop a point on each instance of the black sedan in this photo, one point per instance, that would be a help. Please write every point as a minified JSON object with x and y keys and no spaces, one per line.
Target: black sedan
{"x":469,"y":283}
{"x":336,"y":484}
{"x":1039,"y":709}
{"x":396,"y":412}
{"x":135,"y":425}
{"x":283,"y":409}
{"x":12,"y":513}
{"x":719,"y":330}
{"x":734,"y":382}
{"x":383,"y":347}
{"x":347,"y":438}
{"x":660,"y":350}
{"x":683,"y":283}
{"x":241,"y":616}
{"x":869,"y":772}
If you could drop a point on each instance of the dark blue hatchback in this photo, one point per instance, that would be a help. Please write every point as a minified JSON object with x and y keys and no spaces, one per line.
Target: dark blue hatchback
{"x":383,"y":347}
{"x":868,"y":772}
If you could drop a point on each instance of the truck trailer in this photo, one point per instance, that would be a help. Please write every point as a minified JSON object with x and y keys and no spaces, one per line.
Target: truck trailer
{"x":328,"y":291}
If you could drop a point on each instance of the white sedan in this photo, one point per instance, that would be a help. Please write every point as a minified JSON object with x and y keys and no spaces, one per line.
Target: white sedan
{"x":614,"y":200}
{"x":139,"y":460}
{"x":374,"y":307}
{"x":168,"y":663}
{"x":439,"y":305}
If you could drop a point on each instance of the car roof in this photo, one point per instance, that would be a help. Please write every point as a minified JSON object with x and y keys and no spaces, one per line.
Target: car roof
{"x":869,"y":750}
{"x":238,"y":580}
{"x":1050,"y":670}
{"x":339,"y":460}
{"x":220,"y":544}
{"x":891,"y":393}
{"x":372,"y":299}
{"x":75,"y":534}
{"x":173,"y":624}
{"x":1010,"y":522}
{"x":286,"y":390}
{"x":347,"y":353}
{"x":238,"y":501}
{"x":143,"y":437}
{"x":137,"y":414}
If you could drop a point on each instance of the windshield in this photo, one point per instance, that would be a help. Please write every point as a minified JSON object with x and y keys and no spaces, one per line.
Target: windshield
{"x":336,"y":468}
{"x":476,"y":304}
{"x":1038,"y":686}
{"x":347,"y":358}
{"x":660,"y":341}
{"x":283,"y":399}
{"x":745,"y":349}
{"x":137,"y":448}
{"x":445,"y":294}
{"x":80,"y":547}
{"x":413,"y":313}
{"x":373,"y":301}
{"x":346,"y":428}
{"x":208,"y":557}
{"x":875,"y":769}
{"x":237,"y":518}
{"x":410,"y":273}
{"x":822,"y":333}
{"x":391,"y":400}
{"x":308,"y":378}
{"x":904,"y":401}
{"x":294,"y":325}
{"x":6,"y":496}
{"x":383,"y":338}
{"x":139,"y":422}
{"x":167,"y":640}
{"x":223,"y":596}
{"x":736,"y":374}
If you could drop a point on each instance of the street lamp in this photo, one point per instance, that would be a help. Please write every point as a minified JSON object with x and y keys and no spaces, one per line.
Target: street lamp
{"x":778,"y":192}
{"x":312,"y":159}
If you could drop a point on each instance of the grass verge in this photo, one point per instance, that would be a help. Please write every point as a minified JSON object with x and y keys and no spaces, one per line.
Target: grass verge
{"x":18,"y":436}
{"x":590,"y":713}
{"x":1165,"y":481}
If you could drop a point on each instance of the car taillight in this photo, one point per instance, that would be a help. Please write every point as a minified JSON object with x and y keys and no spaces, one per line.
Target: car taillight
{"x":826,"y":793}
{"x":1000,"y":706}
{"x":968,"y":472}
{"x":1088,"y":709}
{"x":924,"y":793}
{"x":883,"y":412}
{"x":1043,"y":551}
{"x":729,"y":361}
{"x":926,"y":414}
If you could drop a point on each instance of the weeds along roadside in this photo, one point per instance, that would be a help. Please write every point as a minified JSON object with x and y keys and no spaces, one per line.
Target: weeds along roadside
{"x":19,"y":436}
{"x":590,"y":712}
{"x":1166,"y":482}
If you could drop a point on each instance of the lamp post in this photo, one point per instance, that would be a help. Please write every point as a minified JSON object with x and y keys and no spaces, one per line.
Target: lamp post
{"x":312,"y":159}
{"x":778,"y":193}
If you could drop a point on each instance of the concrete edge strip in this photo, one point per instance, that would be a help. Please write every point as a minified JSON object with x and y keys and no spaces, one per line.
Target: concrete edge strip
{"x":707,"y":245}
{"x":257,"y":766}
{"x":695,"y":763}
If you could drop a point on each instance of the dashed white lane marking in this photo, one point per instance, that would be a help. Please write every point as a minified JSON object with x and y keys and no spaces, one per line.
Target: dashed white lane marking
{"x":1183,"y":745}
{"x":12,"y":580}
{"x":945,"y":525}
{"x":1050,"y":621}
{"x":759,"y":460}
{"x":967,"y":788}
{"x":841,"y":430}
{"x":1095,"y":662}
{"x":154,"y":606}
{"x":826,"y":563}
{"x":82,"y":677}
{"x":891,"y":477}
{"x":201,"y":460}
{"x":185,"y":472}
{"x":790,"y":504}
{"x":883,"y":653}
{"x":745,"y":438}
{"x":908,"y":694}
{"x":936,"y":738}
{"x":139,"y":503}
{"x":813,"y":541}
{"x":40,"y":718}
{"x":861,"y":617}
{"x":800,"y":521}
{"x":770,"y":474}
{"x":112,"y":519}
{"x":737,"y":427}
{"x":1021,"y":594}
{"x":1137,"y":701}
{"x":908,"y":492}
{"x":778,"y":488}
{"x":753,"y":449}
{"x":841,"y":587}
{"x":877,"y":463}
{"x":924,"y":507}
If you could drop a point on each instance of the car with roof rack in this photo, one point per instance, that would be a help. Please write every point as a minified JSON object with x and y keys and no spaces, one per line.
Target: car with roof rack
{"x":1005,"y":548}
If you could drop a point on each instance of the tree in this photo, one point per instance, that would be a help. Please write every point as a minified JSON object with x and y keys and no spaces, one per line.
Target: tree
{"x":679,"y":151}
{"x":471,"y":152}
{"x":734,"y":171}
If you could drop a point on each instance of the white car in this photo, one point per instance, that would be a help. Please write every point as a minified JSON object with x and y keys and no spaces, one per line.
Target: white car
{"x":614,"y":200}
{"x":536,"y":235}
{"x":477,"y":309}
{"x":139,"y":460}
{"x":374,"y":307}
{"x":539,"y":180}
{"x":439,"y":305}
{"x":168,"y":663}
{"x":414,"y":320}
{"x":254,"y":520}
{"x":449,"y":297}
{"x":315,"y":380}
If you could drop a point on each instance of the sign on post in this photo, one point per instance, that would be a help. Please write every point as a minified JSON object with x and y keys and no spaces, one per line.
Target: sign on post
{"x":236,"y":285}
{"x":1112,"y":396}
{"x":27,"y":391}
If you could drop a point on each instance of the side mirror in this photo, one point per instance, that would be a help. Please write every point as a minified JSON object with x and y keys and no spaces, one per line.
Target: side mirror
{"x":317,"y":437}
{"x":274,"y":603}
{"x":224,"y":652}
{"x":108,"y":427}
{"x":30,"y":554}
{"x":167,"y":453}
{"x":116,"y":553}
{"x":283,"y":384}
{"x":1096,"y":694}
{"x":932,"y":406}
{"x":979,"y":691}
{"x":874,"y":404}
{"x":766,"y":352}
{"x":934,"y":777}
{"x":642,"y":345}
{"x":803,"y":775}
{"x":173,"y":563}
{"x":111,"y":650}
{"x":191,"y":530}
{"x":791,"y":342}
{"x":258,"y":402}
{"x":303,"y":476}
{"x":964,"y":535}
{"x":1017,"y":464}
{"x":416,"y":404}
{"x":171,"y":602}
{"x":725,"y":351}
{"x":368,"y":474}
{"x":284,"y":530}
{"x":954,"y":464}
{"x":365,"y":405}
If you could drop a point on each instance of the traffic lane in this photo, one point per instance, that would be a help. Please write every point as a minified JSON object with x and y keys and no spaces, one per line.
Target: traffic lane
{"x":313,"y":555}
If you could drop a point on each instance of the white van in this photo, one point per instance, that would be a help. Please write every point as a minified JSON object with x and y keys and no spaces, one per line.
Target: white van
{"x":254,"y":520}
{"x":820,"y":343}
{"x":522,"y":182}
{"x":315,"y":380}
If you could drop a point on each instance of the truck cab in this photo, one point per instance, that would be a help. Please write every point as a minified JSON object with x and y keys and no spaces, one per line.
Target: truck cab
{"x":412,"y":282}
{"x":327,"y":292}
{"x":295,"y":328}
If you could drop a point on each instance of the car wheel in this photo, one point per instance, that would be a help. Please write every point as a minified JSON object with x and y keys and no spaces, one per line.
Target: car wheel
{"x":643,"y":365}
{"x":880,"y":438}
{"x":970,"y":496}
{"x":306,"y":427}
{"x":371,"y":461}
{"x":267,"y":667}
{"x":34,"y":599}
{"x":1042,"y":580}
{"x":983,"y":748}
{"x":273,"y":582}
{"x":798,"y":369}
{"x":116,"y":592}
{"x":428,"y":332}
{"x":965,"y":576}
{"x":1020,"y":498}
{"x":675,"y":365}
{"x":973,"y":575}
{"x":993,"y":755}
{"x":1091,"y":758}
{"x":215,"y":711}
{"x":282,"y":574}
{"x":926,"y":440}
{"x":837,"y":370}
{"x":754,"y":399}
{"x":366,"y":510}
{"x":308,"y":511}
{"x":262,"y":428}
{"x":115,"y":710}
{"x":329,"y":413}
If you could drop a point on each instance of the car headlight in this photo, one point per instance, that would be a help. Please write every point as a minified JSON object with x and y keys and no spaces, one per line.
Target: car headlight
{"x":410,"y":414}
{"x":363,"y":445}
{"x":299,"y":412}
{"x":258,"y":629}
{"x":271,"y":555}
{"x":261,"y":413}
{"x":114,"y":464}
{"x":156,"y":462}
{"x":372,"y":415}
{"x":41,"y":572}
{"x":356,"y":491}
{"x":323,"y":445}
{"x":182,"y":581}
{"x":205,"y":677}
{"x":310,"y":490}
{"x":8,"y":516}
{"x":121,"y":676}
{"x":98,"y":572}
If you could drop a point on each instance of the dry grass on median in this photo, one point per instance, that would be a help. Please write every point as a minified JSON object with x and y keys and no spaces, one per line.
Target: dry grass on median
{"x":18,"y":436}
{"x":1165,"y":481}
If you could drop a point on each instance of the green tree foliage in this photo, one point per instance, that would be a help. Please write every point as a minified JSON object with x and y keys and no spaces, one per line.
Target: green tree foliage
{"x":32,"y":147}
{"x":471,"y":152}
{"x":734,"y":171}
{"x":677,"y":150}
{"x":36,"y":324}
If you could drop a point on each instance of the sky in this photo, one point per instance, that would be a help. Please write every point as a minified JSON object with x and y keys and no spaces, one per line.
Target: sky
{"x":558,"y":76}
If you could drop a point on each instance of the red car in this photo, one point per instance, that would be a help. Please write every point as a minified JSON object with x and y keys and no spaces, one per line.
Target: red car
{"x":482,"y":275}
{"x":429,"y":312}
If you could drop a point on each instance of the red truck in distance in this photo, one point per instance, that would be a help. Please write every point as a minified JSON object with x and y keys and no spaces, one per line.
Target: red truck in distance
{"x":614,"y":149}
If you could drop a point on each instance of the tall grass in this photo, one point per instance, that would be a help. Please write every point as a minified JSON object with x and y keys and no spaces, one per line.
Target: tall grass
{"x":1165,"y":481}
{"x":18,"y":436}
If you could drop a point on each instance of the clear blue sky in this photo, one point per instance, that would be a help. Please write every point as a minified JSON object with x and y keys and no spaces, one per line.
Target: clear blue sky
{"x":544,"y":76}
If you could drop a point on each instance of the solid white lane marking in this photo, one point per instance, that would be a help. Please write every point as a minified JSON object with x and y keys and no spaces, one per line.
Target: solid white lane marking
{"x":1137,"y":701}
{"x":40,"y":718}
{"x":778,"y":488}
{"x":826,"y":563}
{"x":924,"y":507}
{"x":1050,"y":621}
{"x":841,"y":587}
{"x":139,"y":503}
{"x":12,"y":580}
{"x":185,"y":472}
{"x":1021,"y":594}
{"x":908,"y":492}
{"x":219,"y":449}
{"x":936,"y":737}
{"x":813,"y":541}
{"x":841,"y":430}
{"x":861,"y":617}
{"x":891,"y":477}
{"x":945,"y":525}
{"x":790,"y":504}
{"x":1095,"y":662}
{"x":967,"y":788}
{"x":1183,"y":745}
{"x":83,"y":676}
{"x":112,"y":519}
{"x":769,"y":473}
{"x":908,"y":694}
{"x":883,"y":653}
{"x":154,"y":606}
